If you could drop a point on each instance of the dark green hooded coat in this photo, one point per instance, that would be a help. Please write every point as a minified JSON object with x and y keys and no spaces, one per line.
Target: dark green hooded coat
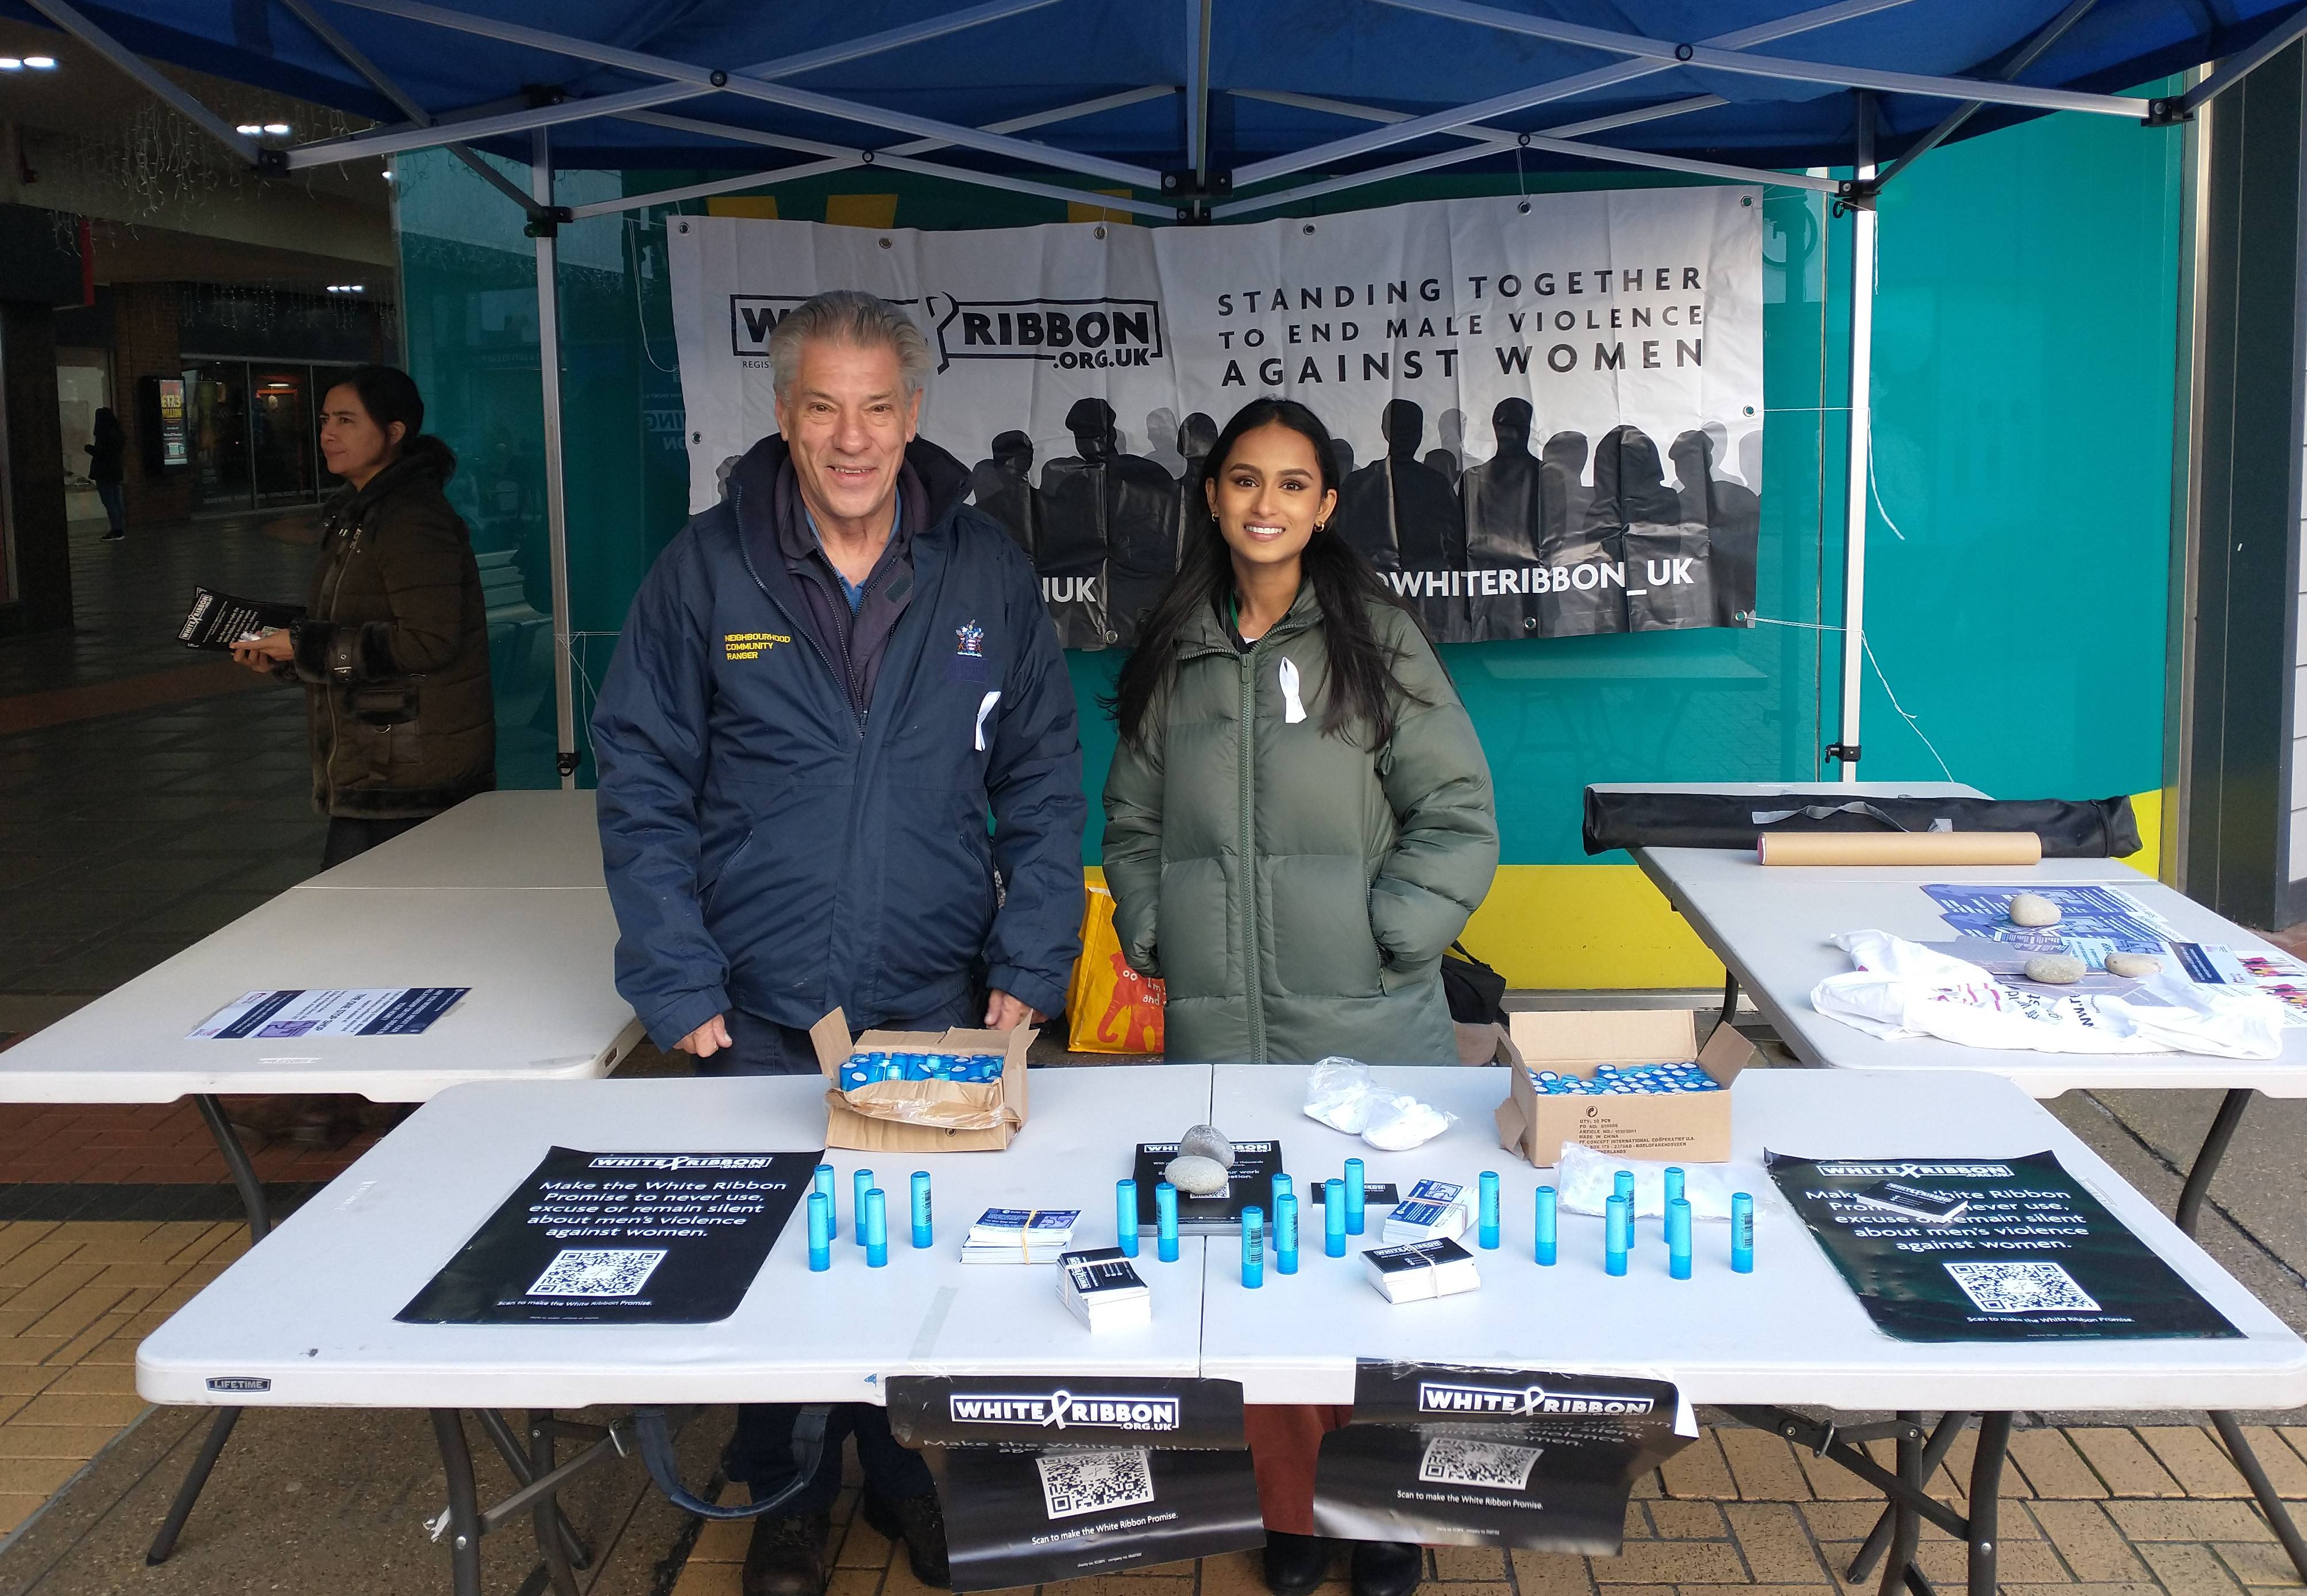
{"x":394,"y":649}
{"x":1366,"y":865}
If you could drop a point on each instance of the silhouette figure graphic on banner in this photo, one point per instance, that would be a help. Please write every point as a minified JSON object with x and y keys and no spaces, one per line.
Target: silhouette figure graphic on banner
{"x":1567,"y":452}
{"x":1666,"y":583}
{"x":1506,"y":522}
{"x":1005,"y":489}
{"x":1450,"y":459}
{"x":1400,"y":512}
{"x":1110,"y":514}
{"x":1732,"y":515}
{"x":1197,"y":434}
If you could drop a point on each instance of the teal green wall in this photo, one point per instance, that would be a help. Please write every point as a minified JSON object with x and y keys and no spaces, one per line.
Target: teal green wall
{"x":2025,"y":328}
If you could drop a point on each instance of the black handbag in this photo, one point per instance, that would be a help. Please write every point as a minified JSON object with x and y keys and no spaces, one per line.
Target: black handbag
{"x":1476,"y":993}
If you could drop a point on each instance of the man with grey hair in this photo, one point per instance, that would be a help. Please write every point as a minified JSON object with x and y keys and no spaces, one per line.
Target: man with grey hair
{"x":840,"y":768}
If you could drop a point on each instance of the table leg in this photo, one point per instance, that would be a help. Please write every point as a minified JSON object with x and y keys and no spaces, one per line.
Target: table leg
{"x":1985,"y":1495}
{"x":463,"y":1502}
{"x":1730,"y":1002}
{"x":1942,"y":1439}
{"x":2188,"y":1216}
{"x":1905,"y":1526}
{"x":260,"y":1225}
{"x":546,"y":1515}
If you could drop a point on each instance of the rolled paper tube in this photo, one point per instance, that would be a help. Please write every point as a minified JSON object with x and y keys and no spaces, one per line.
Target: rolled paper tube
{"x":1165,"y":1221}
{"x":1900,"y":847}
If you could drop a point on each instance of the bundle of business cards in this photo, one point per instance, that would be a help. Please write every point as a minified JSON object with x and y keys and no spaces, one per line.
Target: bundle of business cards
{"x":1019,"y":1236}
{"x":1433,"y":1209}
{"x":1103,"y":1289}
{"x":1417,"y":1270}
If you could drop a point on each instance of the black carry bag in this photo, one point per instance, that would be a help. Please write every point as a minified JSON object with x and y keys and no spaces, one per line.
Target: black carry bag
{"x":1476,"y":993}
{"x":2100,"y":829}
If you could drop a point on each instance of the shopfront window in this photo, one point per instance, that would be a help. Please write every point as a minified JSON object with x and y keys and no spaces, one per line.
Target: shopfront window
{"x":282,"y":435}
{"x":220,"y":406}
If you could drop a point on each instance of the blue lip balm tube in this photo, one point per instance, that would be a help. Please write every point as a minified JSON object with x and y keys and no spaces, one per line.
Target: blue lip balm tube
{"x":1674,"y":1181}
{"x":1546,"y":1224}
{"x":1125,"y":1217}
{"x":864,"y":1185}
{"x":825,"y":1179}
{"x":1742,"y":1233}
{"x":1165,"y":1218}
{"x":1617,"y":1232}
{"x":1333,"y":1218}
{"x":1623,"y":1184}
{"x":1283,"y":1185}
{"x":1353,"y":1196}
{"x":1285,"y":1232}
{"x":1253,"y":1247}
{"x":1677,"y":1238}
{"x":821,"y":1233}
{"x":877,"y":1229}
{"x":924,"y":1231}
{"x":1486,"y":1231}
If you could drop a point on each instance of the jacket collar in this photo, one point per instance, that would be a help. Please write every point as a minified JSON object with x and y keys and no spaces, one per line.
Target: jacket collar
{"x":348,"y":504}
{"x":1205,"y":631}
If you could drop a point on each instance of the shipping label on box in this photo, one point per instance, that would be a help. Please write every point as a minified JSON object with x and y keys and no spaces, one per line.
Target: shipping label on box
{"x":1694,"y":1127}
{"x":923,"y":1116}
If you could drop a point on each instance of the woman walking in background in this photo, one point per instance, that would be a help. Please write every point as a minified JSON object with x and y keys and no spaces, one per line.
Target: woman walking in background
{"x":392,"y":651}
{"x":109,"y":442}
{"x":1298,"y":821}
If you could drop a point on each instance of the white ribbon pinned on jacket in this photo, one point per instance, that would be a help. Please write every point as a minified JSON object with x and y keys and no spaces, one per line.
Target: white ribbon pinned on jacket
{"x":984,"y":708}
{"x":1294,"y":708}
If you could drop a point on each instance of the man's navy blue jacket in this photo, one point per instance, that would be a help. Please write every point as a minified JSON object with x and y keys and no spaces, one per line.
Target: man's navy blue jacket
{"x":767,"y":849}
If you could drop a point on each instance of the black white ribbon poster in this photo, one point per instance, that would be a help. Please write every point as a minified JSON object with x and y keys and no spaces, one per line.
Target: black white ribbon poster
{"x":1448,"y":1455}
{"x":1046,"y":1479}
{"x":620,"y":1239}
{"x":2024,"y":1252}
{"x":1548,"y":413}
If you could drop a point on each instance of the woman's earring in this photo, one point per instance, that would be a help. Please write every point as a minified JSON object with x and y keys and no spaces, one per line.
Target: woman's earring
{"x":1321,"y":527}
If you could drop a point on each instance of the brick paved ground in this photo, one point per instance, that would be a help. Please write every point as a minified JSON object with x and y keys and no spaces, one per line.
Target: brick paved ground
{"x":2144,"y":1510}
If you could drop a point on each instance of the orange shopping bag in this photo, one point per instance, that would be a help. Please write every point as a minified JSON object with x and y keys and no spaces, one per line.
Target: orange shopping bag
{"x":1109,"y":1007}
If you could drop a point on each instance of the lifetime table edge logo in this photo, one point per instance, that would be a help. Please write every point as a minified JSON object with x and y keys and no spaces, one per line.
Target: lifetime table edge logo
{"x":1442,"y":1396}
{"x":1061,"y":1410}
{"x":230,"y":1382}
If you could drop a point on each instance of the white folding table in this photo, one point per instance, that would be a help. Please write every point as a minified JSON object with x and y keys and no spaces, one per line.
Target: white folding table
{"x":1758,"y":1344}
{"x":309,"y":1315}
{"x":1769,"y":926}
{"x":454,"y":902}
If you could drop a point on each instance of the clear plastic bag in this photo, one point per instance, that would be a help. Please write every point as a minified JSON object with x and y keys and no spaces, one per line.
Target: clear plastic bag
{"x":1584,"y":1181}
{"x":1341,"y":1094}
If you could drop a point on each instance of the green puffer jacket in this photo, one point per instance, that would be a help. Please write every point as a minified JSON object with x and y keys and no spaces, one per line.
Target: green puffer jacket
{"x":1365,"y":864}
{"x":393,"y":650}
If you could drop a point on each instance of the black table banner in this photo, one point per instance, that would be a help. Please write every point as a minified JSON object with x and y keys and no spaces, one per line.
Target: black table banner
{"x":1050,"y":1479}
{"x":1448,"y":1455}
{"x":2030,"y":1255}
{"x":620,"y":1239}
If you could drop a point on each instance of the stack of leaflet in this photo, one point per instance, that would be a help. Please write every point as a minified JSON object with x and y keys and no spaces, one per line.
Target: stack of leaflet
{"x":1434,"y":1208}
{"x":1417,"y":1270}
{"x":1103,"y":1289}
{"x":1020,"y":1235}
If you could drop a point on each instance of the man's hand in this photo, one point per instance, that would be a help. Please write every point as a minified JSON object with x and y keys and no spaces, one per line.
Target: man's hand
{"x":1005,"y":1013}
{"x":708,"y":1039}
{"x":261,"y":653}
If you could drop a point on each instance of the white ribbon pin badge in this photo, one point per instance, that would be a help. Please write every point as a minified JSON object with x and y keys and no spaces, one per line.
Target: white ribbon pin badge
{"x":984,"y":708}
{"x":1294,"y":708}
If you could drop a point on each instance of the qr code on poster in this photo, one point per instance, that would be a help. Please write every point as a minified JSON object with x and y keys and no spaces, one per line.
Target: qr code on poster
{"x":2021,"y":1288}
{"x":1078,"y":1482}
{"x":597,"y":1272}
{"x":1453,"y":1460}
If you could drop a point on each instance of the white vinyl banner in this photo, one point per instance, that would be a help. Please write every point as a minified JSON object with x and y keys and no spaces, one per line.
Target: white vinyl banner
{"x":1548,"y":413}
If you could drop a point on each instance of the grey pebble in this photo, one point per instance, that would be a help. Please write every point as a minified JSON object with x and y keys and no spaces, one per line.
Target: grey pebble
{"x":2055,"y":969}
{"x":1195,"y":1175}
{"x":2032,"y":908}
{"x":1207,"y":1141}
{"x":2133,"y":963}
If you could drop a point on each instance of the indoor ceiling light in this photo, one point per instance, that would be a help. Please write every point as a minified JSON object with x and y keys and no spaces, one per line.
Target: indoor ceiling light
{"x":249,"y":130}
{"x":278,"y":130}
{"x":10,"y":63}
{"x":348,"y":287}
{"x":41,"y":62}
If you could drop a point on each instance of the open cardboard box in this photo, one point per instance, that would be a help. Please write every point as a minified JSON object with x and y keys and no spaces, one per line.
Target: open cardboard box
{"x":1694,"y":1127}
{"x":923,"y":1116}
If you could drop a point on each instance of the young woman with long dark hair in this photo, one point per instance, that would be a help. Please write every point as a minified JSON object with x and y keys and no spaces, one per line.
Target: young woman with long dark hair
{"x":1298,"y":821}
